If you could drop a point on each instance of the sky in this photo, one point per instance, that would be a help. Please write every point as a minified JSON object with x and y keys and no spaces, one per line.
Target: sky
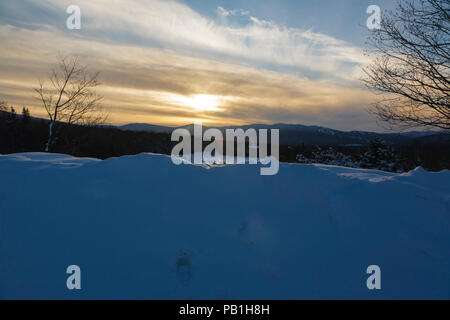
{"x":216,"y":62}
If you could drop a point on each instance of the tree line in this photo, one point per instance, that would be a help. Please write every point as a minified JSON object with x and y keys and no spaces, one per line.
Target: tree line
{"x":410,"y":69}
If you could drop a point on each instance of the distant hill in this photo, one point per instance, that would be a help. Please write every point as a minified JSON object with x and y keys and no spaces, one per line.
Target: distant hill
{"x":146,"y":127}
{"x":429,"y":149}
{"x":297,"y":134}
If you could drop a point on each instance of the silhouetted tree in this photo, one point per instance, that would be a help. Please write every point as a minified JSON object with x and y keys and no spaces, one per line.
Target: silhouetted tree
{"x":381,"y":156}
{"x":412,"y":64}
{"x":13,"y":113}
{"x":70,"y":96}
{"x":25,"y":115}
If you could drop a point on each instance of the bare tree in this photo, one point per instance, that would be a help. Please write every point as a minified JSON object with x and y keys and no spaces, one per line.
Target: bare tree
{"x":411,"y":65}
{"x":70,"y":96}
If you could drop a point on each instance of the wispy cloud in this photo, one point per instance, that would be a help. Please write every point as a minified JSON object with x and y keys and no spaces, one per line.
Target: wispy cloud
{"x":153,"y":55}
{"x":223,"y":12}
{"x":148,"y":83}
{"x":171,"y":24}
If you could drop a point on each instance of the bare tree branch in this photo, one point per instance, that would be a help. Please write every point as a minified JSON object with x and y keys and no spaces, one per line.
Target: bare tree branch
{"x":70,"y":96}
{"x":411,"y":65}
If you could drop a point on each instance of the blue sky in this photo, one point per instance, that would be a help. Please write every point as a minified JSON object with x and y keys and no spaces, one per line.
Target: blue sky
{"x":343,"y":19}
{"x":220,"y":62}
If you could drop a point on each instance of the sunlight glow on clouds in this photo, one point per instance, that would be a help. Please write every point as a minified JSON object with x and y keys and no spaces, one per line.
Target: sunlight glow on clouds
{"x":174,"y":25}
{"x":162,"y":62}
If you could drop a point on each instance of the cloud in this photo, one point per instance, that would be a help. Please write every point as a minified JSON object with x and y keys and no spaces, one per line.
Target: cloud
{"x":170,"y":24}
{"x":144,"y":84}
{"x":225,"y":13}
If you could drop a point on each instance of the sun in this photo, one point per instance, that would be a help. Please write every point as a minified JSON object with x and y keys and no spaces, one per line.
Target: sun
{"x":198,"y":102}
{"x":203,"y":102}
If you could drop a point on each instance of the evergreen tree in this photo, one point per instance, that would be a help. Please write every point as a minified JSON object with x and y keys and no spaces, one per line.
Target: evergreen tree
{"x":382,"y":157}
{"x":302,"y":159}
{"x":13,"y":114}
{"x":328,"y":156}
{"x":25,"y":115}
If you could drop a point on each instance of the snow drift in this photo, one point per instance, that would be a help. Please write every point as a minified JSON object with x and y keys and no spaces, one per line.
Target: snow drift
{"x":140,"y":227}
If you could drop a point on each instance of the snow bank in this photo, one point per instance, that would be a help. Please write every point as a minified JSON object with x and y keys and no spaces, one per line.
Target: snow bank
{"x":141,"y":227}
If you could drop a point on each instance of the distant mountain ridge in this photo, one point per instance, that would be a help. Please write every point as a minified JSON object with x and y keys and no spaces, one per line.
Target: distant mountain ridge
{"x":146,"y":127}
{"x":297,"y":134}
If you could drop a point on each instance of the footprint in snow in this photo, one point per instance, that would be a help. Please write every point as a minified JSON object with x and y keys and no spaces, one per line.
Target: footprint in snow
{"x":184,"y":268}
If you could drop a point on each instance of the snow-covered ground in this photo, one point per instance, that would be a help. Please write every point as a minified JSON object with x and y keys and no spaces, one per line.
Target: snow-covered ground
{"x":141,"y":227}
